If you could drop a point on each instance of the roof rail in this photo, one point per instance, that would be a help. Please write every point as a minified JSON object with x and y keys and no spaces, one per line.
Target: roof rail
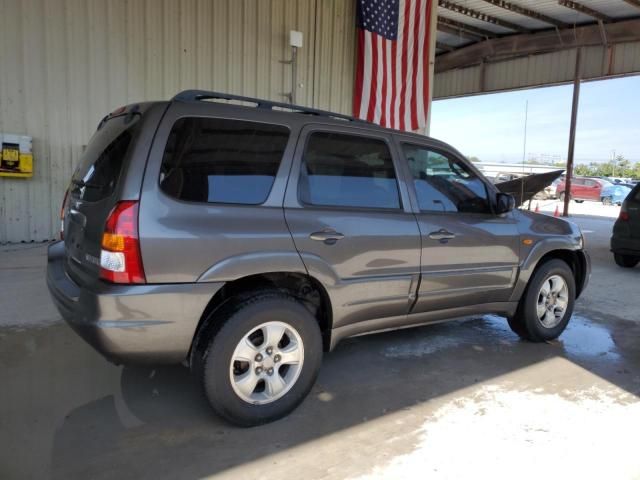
{"x":198,"y":95}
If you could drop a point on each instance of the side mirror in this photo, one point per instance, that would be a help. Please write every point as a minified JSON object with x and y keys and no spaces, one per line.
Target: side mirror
{"x":504,"y":203}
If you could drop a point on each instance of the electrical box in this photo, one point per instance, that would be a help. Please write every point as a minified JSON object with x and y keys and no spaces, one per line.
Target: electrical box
{"x":16,"y":157}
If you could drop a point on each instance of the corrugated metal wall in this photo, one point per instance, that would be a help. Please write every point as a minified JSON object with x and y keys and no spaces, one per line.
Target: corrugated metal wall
{"x":536,"y":70}
{"x":65,"y":63}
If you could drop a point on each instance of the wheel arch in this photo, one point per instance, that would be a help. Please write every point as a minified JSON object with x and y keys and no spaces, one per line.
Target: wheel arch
{"x":305,"y":288}
{"x":576,"y":259}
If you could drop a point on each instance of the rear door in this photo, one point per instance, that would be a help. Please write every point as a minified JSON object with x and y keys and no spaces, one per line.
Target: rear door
{"x":93,"y":192}
{"x":578,"y":188}
{"x":351,"y":221}
{"x":592,"y":190}
{"x":469,"y":255}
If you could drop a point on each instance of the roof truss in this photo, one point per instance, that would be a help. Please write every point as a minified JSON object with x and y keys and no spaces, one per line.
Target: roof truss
{"x":460,"y":27}
{"x":578,"y":7}
{"x":461,"y":9}
{"x":512,"y":7}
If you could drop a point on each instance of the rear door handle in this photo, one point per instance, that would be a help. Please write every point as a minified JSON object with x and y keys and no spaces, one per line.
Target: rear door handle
{"x":327,"y":236}
{"x":442,"y":235}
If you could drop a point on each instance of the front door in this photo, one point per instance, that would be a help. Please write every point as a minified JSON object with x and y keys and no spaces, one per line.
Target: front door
{"x":352,"y":224}
{"x":469,"y":254}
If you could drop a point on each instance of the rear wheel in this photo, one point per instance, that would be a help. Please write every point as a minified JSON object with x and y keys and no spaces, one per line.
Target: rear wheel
{"x":263,"y":361}
{"x":579,"y":201}
{"x":546,"y":307}
{"x":626,"y":261}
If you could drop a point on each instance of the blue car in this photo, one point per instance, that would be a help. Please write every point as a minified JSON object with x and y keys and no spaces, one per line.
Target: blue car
{"x":614,"y":194}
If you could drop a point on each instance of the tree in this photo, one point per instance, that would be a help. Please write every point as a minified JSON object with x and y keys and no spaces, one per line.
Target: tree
{"x":473,"y":159}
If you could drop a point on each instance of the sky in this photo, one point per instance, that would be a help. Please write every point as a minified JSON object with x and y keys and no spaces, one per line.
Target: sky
{"x":491,"y":127}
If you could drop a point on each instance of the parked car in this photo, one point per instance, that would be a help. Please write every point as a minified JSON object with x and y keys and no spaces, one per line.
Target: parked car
{"x":246,"y":241}
{"x":614,"y":194}
{"x":625,"y":241}
{"x":583,"y":188}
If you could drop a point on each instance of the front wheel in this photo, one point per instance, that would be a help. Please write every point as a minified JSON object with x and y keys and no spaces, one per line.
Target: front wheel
{"x":626,"y":261}
{"x":263,"y":361}
{"x":547,"y":304}
{"x":607,"y":201}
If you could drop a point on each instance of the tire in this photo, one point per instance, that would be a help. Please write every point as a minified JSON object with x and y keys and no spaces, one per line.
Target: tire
{"x":526,"y":322}
{"x":579,"y":201}
{"x":212,"y":361}
{"x":626,"y":261}
{"x":607,"y":201}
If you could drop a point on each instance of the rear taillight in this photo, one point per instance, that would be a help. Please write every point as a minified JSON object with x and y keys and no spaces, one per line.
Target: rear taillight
{"x":624,"y":214}
{"x":62,"y":209}
{"x":120,"y":258}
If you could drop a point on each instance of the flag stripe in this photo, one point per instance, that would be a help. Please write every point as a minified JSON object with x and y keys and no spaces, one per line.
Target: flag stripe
{"x":392,"y":69}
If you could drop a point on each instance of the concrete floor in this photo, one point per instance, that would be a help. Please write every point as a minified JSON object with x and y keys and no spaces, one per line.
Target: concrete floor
{"x":457,"y":400}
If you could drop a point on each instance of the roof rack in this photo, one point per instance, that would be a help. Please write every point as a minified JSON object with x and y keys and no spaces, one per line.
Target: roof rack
{"x":198,"y":95}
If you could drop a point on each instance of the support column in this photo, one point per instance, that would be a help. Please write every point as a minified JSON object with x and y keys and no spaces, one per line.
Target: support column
{"x":572,"y":131}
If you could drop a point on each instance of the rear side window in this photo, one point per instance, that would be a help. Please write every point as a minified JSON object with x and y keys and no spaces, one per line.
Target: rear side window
{"x":99,"y":171}
{"x":218,"y":160}
{"x":348,"y":171}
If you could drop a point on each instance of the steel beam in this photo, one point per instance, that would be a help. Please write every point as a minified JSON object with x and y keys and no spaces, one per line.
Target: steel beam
{"x":460,"y":26}
{"x":578,"y":7}
{"x":512,"y":7}
{"x":444,"y":46}
{"x":572,"y":131}
{"x":461,"y":9}
{"x":539,"y":42}
{"x":457,"y":32}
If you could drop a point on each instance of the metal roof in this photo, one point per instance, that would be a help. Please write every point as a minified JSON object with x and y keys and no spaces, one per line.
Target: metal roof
{"x":464,"y":23}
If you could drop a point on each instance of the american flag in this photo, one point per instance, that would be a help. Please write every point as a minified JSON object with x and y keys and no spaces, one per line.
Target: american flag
{"x":392,"y":72}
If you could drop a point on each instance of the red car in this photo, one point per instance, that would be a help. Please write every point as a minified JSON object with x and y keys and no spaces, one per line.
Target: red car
{"x":583,"y":188}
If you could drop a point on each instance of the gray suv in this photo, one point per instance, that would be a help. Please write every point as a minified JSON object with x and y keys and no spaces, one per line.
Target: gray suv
{"x":246,"y":240}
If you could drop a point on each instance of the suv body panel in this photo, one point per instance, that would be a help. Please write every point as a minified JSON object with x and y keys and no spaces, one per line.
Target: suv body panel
{"x":363,"y":276}
{"x":485,"y":266}
{"x":381,"y":275}
{"x":625,"y":239}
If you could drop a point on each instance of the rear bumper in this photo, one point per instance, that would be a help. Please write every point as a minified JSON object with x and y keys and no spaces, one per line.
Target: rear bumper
{"x":625,"y":246}
{"x":129,"y":323}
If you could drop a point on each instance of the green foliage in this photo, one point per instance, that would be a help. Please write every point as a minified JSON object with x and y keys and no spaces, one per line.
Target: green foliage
{"x":618,"y":167}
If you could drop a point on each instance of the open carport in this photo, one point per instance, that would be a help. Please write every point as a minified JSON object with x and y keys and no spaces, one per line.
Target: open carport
{"x":451,"y":400}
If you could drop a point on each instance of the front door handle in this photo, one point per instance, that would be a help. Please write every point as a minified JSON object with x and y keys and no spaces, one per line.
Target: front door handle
{"x":443,"y":235}
{"x":327,"y":236}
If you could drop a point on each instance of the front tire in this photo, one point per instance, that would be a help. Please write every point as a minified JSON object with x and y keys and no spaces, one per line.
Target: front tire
{"x":263,"y":360}
{"x":626,"y":261}
{"x":547,"y":304}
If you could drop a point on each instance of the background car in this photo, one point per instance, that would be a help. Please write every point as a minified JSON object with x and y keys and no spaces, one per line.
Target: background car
{"x":614,"y":194}
{"x":625,"y":241}
{"x":583,"y":188}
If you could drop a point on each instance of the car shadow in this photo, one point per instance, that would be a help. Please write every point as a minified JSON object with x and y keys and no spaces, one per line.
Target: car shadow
{"x":159,"y":425}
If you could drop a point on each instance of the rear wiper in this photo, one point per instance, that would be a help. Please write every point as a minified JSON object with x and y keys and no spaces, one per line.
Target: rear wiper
{"x":83,"y":184}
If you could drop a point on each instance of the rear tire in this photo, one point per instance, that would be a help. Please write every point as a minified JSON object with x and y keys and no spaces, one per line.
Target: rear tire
{"x":547,"y":304}
{"x":626,"y":261}
{"x":579,"y":201}
{"x":236,"y":356}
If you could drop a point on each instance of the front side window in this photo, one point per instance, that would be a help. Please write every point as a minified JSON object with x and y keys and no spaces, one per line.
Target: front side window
{"x":219,"y":160}
{"x":340,"y":170}
{"x":444,"y":183}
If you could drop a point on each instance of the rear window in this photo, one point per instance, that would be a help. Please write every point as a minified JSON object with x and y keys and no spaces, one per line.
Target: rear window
{"x":101,"y":163}
{"x":218,"y":160}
